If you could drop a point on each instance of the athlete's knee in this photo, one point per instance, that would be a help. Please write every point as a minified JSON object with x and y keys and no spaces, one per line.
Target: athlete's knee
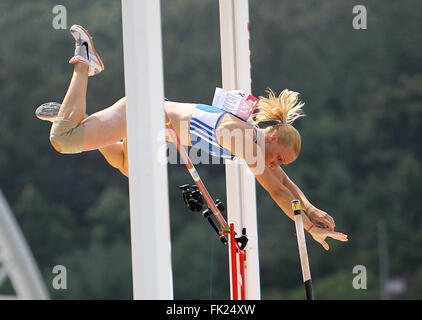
{"x":67,"y":136}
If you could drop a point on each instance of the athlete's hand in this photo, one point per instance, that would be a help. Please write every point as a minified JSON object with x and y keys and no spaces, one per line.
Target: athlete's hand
{"x":320,"y":234}
{"x":320,"y":218}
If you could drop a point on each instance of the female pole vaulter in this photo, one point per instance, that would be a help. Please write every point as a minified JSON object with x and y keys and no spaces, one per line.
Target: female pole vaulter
{"x":265,"y":143}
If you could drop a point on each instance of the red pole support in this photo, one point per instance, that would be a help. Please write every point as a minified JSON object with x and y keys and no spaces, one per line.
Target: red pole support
{"x":233,"y":250}
{"x":237,"y":269}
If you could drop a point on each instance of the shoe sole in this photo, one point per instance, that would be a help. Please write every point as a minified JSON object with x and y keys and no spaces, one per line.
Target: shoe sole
{"x":48,"y":111}
{"x":90,"y":41}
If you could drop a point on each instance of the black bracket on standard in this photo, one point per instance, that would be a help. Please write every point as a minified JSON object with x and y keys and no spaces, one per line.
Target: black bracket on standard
{"x":242,"y":241}
{"x":193,"y":199}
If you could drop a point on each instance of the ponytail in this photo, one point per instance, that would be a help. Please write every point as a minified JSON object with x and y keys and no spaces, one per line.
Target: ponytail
{"x":285,"y":108}
{"x":278,"y":114}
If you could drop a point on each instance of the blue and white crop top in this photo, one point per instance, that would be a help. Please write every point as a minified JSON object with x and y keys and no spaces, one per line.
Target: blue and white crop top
{"x":202,"y":130}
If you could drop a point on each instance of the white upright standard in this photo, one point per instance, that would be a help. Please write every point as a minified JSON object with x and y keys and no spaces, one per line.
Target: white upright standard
{"x":240,"y":182}
{"x":148,"y":187}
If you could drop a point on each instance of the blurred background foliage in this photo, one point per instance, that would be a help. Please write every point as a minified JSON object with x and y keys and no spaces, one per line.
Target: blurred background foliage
{"x":360,"y":161}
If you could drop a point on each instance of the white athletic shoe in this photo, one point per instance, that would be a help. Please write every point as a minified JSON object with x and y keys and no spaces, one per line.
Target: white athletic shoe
{"x":48,"y":111}
{"x":84,"y":50}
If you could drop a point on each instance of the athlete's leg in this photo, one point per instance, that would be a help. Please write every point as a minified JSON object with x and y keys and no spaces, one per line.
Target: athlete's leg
{"x":105,"y":127}
{"x":70,"y":133}
{"x":87,"y":63}
{"x":115,"y":156}
{"x":73,"y":107}
{"x":115,"y":153}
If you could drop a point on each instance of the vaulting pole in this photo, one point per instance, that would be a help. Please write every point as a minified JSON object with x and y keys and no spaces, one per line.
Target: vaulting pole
{"x":194,"y":174}
{"x":303,"y":252}
{"x":148,"y":186}
{"x":240,"y":182}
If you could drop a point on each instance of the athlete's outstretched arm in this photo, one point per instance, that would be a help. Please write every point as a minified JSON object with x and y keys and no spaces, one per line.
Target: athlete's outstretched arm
{"x":316,"y":215}
{"x":283,"y":197}
{"x":280,"y":194}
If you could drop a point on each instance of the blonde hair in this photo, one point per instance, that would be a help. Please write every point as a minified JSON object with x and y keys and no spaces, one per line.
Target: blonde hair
{"x":285,"y":108}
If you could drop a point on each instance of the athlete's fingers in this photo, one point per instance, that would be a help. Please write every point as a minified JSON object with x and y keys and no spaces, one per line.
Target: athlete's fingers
{"x":338,"y":236}
{"x":332,"y":222}
{"x":322,"y":223}
{"x":328,"y":221}
{"x":325,"y":245}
